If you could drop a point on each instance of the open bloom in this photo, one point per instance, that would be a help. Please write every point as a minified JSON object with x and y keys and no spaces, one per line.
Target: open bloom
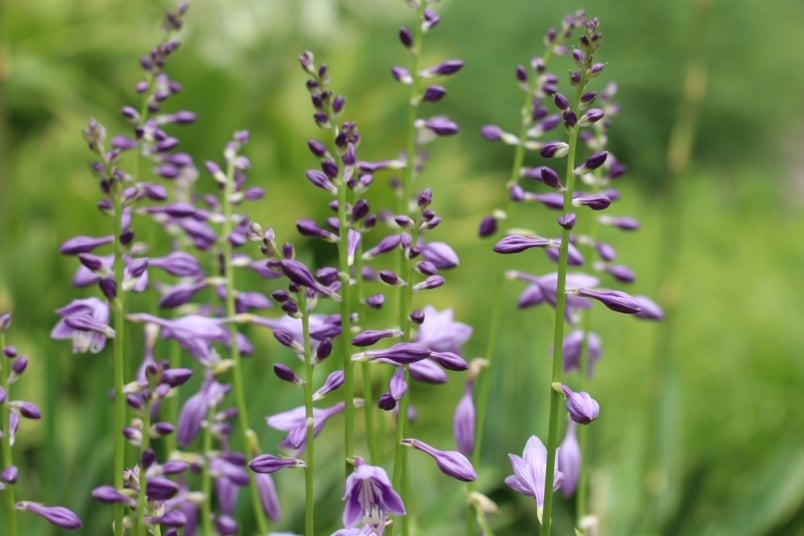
{"x":370,"y":497}
{"x":529,"y":472}
{"x":86,"y":322}
{"x":440,"y":333}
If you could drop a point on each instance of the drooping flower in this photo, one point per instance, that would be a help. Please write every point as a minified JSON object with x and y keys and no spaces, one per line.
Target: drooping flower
{"x":569,"y":458}
{"x":370,"y":498}
{"x":294,"y":422}
{"x":450,"y":462}
{"x":582,"y":408}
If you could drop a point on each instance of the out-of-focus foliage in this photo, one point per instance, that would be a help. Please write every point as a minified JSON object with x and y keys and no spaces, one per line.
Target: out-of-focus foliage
{"x":729,"y":422}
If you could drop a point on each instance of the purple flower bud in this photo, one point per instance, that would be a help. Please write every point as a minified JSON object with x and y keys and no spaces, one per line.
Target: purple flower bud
{"x":268,"y":463}
{"x":613,"y":299}
{"x":554,"y":149}
{"x":593,"y":201}
{"x":570,"y":118}
{"x":431,"y":282}
{"x":401,"y":353}
{"x":398,"y":386}
{"x":544,"y":174}
{"x":173,"y":518}
{"x":55,"y":515}
{"x":591,"y":116}
{"x":441,"y":126}
{"x":417,"y":317}
{"x":338,"y":103}
{"x":492,"y":132}
{"x":463,"y":423}
{"x":334,"y":380}
{"x":19,"y":365}
{"x":621,"y":273}
{"x":582,"y":408}
{"x":161,"y":488}
{"x":320,"y":180}
{"x":441,"y":254}
{"x":405,"y":37}
{"x":443,"y":69}
{"x":10,"y":474}
{"x":310,"y":228}
{"x":372,"y":336}
{"x":284,"y":372}
{"x":5,"y":321}
{"x":324,"y":350}
{"x":180,"y":294}
{"x":84,"y":244}
{"x":517,"y":243}
{"x":449,"y":360}
{"x":624,"y":223}
{"x":390,"y":278}
{"x":386,"y":402}
{"x":401,"y":75}
{"x":487,"y":227}
{"x":434,"y":93}
{"x":597,"y":68}
{"x":431,"y":19}
{"x":3,"y":395}
{"x":317,"y":148}
{"x":561,"y":101}
{"x":268,"y":496}
{"x":25,"y":409}
{"x":451,"y":463}
{"x":567,"y":221}
{"x":109,"y":494}
{"x":375,"y":301}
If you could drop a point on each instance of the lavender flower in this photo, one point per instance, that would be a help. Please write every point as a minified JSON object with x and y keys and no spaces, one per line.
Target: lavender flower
{"x":86,"y":322}
{"x":451,"y":463}
{"x":529,"y":472}
{"x":294,"y":422}
{"x":370,"y":497}
{"x":569,"y":458}
{"x":463,"y":422}
{"x":582,"y":408}
{"x":440,"y":333}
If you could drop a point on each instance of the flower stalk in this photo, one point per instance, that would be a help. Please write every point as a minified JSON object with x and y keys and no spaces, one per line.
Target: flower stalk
{"x":5,"y":444}
{"x":309,"y":470}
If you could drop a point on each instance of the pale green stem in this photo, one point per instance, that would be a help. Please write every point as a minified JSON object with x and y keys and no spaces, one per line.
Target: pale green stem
{"x":309,"y":474}
{"x":558,"y":335}
{"x":5,"y":414}
{"x":248,"y":437}
{"x":368,"y":398}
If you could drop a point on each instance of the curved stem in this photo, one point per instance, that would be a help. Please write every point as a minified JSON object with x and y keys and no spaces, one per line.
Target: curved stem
{"x":248,"y":437}
{"x":5,"y":445}
{"x":309,"y":473}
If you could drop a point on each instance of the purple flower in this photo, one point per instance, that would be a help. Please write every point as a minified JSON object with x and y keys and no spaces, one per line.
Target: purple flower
{"x":440,"y":333}
{"x":294,"y":422}
{"x":56,"y":515}
{"x":450,"y":462}
{"x":650,"y":311}
{"x":268,"y":463}
{"x":440,"y":254}
{"x":613,"y":299}
{"x":572,"y":346}
{"x":195,"y":333}
{"x":582,"y":408}
{"x":402,"y":353}
{"x":569,"y":458}
{"x":268,"y":497}
{"x":86,"y":322}
{"x":370,"y":497}
{"x":529,"y":472}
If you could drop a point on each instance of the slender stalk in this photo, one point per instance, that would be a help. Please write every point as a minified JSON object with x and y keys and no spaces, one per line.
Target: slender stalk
{"x":119,"y":308}
{"x":368,"y":396}
{"x":248,"y":437}
{"x":5,"y":445}
{"x":346,"y":325}
{"x":309,"y":473}
{"x":142,"y":499}
{"x":206,"y":477}
{"x":558,"y":334}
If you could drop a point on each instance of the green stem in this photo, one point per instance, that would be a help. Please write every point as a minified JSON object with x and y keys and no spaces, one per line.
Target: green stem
{"x":558,"y":334}
{"x":171,"y":403}
{"x":309,"y":474}
{"x":206,"y":477}
{"x":346,"y":325}
{"x":11,"y":521}
{"x":368,"y":397}
{"x":247,"y":435}
{"x":119,"y":307}
{"x":142,"y":499}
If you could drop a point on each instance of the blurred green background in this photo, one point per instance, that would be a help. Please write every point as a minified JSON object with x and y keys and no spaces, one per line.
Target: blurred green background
{"x":702,"y":428}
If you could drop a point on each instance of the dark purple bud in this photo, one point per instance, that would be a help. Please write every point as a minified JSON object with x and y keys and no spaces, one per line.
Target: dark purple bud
{"x":442,"y":126}
{"x":405,"y":37}
{"x":349,"y":157}
{"x":9,"y":351}
{"x":268,"y":463}
{"x":109,"y":494}
{"x":55,"y":515}
{"x":317,"y":148}
{"x":593,"y":201}
{"x":372,"y":336}
{"x":338,"y":103}
{"x":324,"y":350}
{"x":593,"y":162}
{"x":451,"y":463}
{"x":360,"y":210}
{"x":521,"y":74}
{"x":26,"y":409}
{"x":517,"y":243}
{"x":596,"y":69}
{"x":417,"y":317}
{"x":544,"y":174}
{"x":492,"y":132}
{"x":434,"y":93}
{"x":570,"y":118}
{"x":401,"y":353}
{"x":561,"y":101}
{"x":554,"y":149}
{"x":308,"y":227}
{"x":330,"y":168}
{"x":386,"y":402}
{"x":108,"y":287}
{"x":160,"y":488}
{"x":444,"y":69}
{"x":404,"y":221}
{"x":605,"y":251}
{"x":130,"y":113}
{"x":327,"y":275}
{"x":390,"y":278}
{"x":449,"y":360}
{"x":591,"y":116}
{"x":84,"y":244}
{"x":424,"y":198}
{"x":431,"y":282}
{"x":284,"y":372}
{"x":375,"y":301}
{"x":613,"y":299}
{"x":582,"y":408}
{"x":567,"y":221}
{"x":487,"y":227}
{"x":431,"y":19}
{"x":426,"y":268}
{"x":320,"y":180}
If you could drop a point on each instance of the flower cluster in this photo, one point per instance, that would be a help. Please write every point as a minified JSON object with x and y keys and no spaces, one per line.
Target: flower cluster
{"x":12,"y":413}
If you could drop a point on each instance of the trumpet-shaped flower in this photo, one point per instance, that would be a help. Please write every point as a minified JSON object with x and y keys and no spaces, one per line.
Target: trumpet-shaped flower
{"x":370,"y":497}
{"x":529,"y":472}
